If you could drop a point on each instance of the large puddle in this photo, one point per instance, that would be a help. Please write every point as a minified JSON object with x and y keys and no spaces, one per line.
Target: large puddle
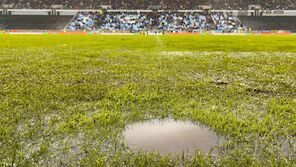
{"x":170,"y":137}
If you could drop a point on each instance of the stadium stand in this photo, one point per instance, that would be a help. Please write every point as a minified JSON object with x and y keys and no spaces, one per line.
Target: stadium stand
{"x":178,"y":22}
{"x":154,"y":21}
{"x":244,"y":4}
{"x":34,"y":22}
{"x":85,"y":21}
{"x":226,"y":22}
{"x":262,"y":23}
{"x":133,"y":22}
{"x":162,"y":16}
{"x":161,"y":22}
{"x":146,"y":4}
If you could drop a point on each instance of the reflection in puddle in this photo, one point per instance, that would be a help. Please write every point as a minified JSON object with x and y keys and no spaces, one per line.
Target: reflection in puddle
{"x":170,"y":137}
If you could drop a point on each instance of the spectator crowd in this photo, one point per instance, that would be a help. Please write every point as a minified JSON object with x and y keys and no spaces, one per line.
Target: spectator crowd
{"x":161,"y":22}
{"x":176,"y":22}
{"x":133,"y":22}
{"x":226,"y":22}
{"x":84,"y":21}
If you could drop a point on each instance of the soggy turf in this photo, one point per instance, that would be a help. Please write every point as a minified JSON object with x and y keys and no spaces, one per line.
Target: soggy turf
{"x":65,"y":100}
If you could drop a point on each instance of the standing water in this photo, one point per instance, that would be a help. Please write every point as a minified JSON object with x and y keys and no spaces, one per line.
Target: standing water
{"x":170,"y":137}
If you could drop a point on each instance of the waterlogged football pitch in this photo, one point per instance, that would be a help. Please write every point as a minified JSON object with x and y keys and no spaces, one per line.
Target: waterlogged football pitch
{"x":66,"y":100}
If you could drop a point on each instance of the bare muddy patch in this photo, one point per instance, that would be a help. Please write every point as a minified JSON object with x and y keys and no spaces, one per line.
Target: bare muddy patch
{"x":170,"y":137}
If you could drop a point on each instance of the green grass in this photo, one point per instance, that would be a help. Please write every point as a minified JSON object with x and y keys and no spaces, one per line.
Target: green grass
{"x":65,"y":100}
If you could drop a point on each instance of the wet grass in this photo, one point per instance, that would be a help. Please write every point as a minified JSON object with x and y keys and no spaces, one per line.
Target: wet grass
{"x":65,"y":100}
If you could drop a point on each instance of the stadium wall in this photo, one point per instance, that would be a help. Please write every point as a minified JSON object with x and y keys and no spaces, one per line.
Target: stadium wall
{"x":64,"y":12}
{"x":279,"y":13}
{"x":29,"y":12}
{"x":42,"y":12}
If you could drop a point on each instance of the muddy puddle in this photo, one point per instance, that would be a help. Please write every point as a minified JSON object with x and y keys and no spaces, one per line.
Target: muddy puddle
{"x":170,"y":137}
